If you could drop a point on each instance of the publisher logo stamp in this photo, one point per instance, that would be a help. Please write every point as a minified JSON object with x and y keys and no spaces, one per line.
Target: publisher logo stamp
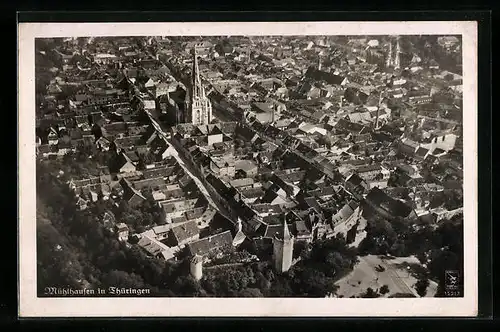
{"x":452,"y":283}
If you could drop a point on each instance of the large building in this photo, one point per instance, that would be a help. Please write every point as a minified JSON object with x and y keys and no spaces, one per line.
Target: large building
{"x":198,"y":108}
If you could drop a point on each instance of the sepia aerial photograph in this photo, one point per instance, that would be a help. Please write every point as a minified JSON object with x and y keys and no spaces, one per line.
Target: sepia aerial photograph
{"x":249,"y":166}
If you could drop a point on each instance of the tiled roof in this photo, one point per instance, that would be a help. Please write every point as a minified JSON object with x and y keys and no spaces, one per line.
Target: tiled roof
{"x":252,"y":192}
{"x":185,"y":231}
{"x":301,"y":228}
{"x":421,"y":151}
{"x":195,"y":213}
{"x":205,"y":245}
{"x":242,"y":182}
{"x":163,"y":171}
{"x":148,"y":183}
{"x":151,"y":246}
{"x":369,"y":168}
{"x":392,"y":206}
{"x":313,"y":203}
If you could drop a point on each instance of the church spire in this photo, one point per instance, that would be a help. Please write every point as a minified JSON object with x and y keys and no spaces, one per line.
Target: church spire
{"x":195,"y":80}
{"x":397,"y":63}
{"x":198,"y":108}
{"x":239,"y":226}
{"x":283,"y":249}
{"x":388,"y":62}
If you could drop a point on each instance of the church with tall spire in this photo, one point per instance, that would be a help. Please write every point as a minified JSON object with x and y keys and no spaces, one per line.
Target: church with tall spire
{"x":397,"y":60}
{"x":197,"y":106}
{"x":393,"y":59}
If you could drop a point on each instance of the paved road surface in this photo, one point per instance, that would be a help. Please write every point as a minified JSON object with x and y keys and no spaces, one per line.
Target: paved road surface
{"x":398,"y":276}
{"x":365,"y":275}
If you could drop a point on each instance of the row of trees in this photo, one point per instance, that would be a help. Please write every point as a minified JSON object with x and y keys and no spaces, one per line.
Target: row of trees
{"x":439,"y":247}
{"x":374,"y":293}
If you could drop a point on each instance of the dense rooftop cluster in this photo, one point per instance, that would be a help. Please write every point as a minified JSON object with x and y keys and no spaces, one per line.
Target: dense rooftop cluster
{"x":321,"y":134}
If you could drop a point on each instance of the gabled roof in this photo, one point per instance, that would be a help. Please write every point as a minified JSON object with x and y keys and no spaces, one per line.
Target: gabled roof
{"x":129,"y":191}
{"x":269,"y":196}
{"x":151,"y":246}
{"x":280,"y":231}
{"x":410,"y":143}
{"x":122,"y":227}
{"x":421,"y":151}
{"x":252,"y":192}
{"x":392,"y":206}
{"x":207,"y":244}
{"x":438,"y":151}
{"x":132,"y":156}
{"x":163,"y":171}
{"x":350,"y":126}
{"x":242,"y":182}
{"x":185,"y":231}
{"x":354,"y":179}
{"x":215,"y":130}
{"x":301,"y":228}
{"x":368,"y":168}
{"x":194,"y":213}
{"x":347,"y":210}
{"x":149,"y":183}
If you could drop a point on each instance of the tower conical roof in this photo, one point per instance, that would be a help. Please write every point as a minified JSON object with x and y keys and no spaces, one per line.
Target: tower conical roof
{"x":197,"y":259}
{"x":195,"y":77}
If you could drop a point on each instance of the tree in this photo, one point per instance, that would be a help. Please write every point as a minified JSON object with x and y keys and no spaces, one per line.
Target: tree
{"x":311,"y":282}
{"x":384,"y":289}
{"x":370,"y":293}
{"x":116,"y":278}
{"x":57,"y":263}
{"x":421,"y":286}
{"x":299,"y":248}
{"x":251,"y":292}
{"x":442,"y":260}
{"x":281,"y":288}
{"x":262,"y":282}
{"x":398,"y":248}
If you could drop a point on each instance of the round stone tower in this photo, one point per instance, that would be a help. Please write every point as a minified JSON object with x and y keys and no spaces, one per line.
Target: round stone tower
{"x":283,"y":250}
{"x":196,"y":266}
